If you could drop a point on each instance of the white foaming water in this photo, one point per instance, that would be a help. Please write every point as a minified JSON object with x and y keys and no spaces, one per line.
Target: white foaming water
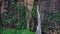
{"x":38,"y":31}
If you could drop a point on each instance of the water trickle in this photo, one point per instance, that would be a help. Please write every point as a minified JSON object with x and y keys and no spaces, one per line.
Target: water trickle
{"x":38,"y":31}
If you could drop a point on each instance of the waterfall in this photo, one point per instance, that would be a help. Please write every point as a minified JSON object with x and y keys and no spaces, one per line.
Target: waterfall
{"x":38,"y":31}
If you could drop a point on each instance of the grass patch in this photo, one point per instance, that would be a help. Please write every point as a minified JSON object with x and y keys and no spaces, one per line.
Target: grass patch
{"x":12,"y":31}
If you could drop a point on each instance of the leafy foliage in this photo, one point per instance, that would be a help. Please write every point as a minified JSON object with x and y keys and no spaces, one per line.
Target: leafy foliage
{"x":53,"y":16}
{"x":33,"y":12}
{"x":21,"y":24}
{"x":22,"y":14}
{"x":21,"y":10}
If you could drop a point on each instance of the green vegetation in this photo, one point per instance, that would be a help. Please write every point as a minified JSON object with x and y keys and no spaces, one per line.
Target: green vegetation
{"x":33,"y":12}
{"x":52,"y":16}
{"x":21,"y":23}
{"x":12,"y":31}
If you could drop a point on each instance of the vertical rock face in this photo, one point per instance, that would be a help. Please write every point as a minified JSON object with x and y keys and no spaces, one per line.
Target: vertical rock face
{"x":53,"y":6}
{"x":58,"y":5}
{"x":45,"y":4}
{"x":50,"y":5}
{"x":20,"y":2}
{"x":29,"y":4}
{"x":4,"y":5}
{"x":0,"y":6}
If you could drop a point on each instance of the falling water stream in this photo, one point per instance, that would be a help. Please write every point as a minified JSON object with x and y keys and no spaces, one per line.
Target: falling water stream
{"x":38,"y":31}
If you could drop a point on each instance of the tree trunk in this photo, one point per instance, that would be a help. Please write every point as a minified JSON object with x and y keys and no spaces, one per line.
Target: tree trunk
{"x":38,"y":31}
